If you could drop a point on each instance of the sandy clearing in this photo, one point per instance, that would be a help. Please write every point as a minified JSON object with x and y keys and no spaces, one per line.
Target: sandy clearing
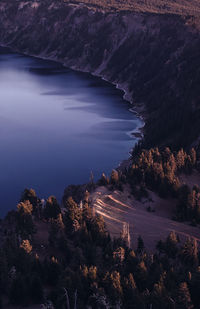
{"x":190,"y":180}
{"x":118,"y":207}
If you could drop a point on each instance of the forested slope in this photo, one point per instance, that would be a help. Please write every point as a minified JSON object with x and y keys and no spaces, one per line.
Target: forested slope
{"x":65,"y":255}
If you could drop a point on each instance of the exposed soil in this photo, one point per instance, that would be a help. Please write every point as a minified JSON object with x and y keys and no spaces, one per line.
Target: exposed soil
{"x":118,"y":207}
{"x":191,"y":179}
{"x":154,"y":6}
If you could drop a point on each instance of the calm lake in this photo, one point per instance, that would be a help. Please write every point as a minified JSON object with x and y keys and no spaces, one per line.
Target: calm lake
{"x":56,"y":126}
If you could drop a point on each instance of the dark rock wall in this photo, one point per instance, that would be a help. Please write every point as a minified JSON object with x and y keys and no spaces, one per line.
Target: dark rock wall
{"x":154,"y":58}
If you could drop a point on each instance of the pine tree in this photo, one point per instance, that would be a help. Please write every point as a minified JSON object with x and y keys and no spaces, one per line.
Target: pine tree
{"x":25,"y":207}
{"x":195,"y":288}
{"x":171,"y":245}
{"x":37,"y":292}
{"x":26,"y":246}
{"x":189,"y":253}
{"x":54,"y":271}
{"x":131,"y":295}
{"x":116,"y":288}
{"x":140,"y":245}
{"x":25,"y":225}
{"x":73,"y":216}
{"x":180,"y":159}
{"x":103,"y":181}
{"x":183,"y":300}
{"x":193,"y":156}
{"x":141,"y":275}
{"x":30,"y":195}
{"x":52,"y":208}
{"x":19,"y":291}
{"x":159,"y":299}
{"x":114,"y":178}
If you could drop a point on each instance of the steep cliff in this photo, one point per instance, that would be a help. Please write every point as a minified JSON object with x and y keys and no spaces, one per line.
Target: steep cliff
{"x":153,"y":57}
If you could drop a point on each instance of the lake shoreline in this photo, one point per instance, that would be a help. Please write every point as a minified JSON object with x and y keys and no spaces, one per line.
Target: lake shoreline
{"x":138,"y":132}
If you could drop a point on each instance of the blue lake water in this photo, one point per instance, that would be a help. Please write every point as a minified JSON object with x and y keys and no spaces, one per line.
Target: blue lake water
{"x":56,"y":126}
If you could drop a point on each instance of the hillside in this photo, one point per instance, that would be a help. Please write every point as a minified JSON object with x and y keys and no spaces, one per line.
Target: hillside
{"x":119,"y":208}
{"x":161,"y":54}
{"x":62,"y":256}
{"x":179,"y":7}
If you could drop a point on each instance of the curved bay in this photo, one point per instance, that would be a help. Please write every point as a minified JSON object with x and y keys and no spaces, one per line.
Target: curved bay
{"x":57,"y":125}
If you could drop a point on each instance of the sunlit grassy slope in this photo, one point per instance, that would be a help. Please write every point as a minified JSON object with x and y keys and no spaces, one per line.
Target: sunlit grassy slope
{"x":183,"y":7}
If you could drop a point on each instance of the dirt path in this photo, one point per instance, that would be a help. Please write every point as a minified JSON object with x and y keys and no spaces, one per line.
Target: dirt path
{"x":119,"y":207}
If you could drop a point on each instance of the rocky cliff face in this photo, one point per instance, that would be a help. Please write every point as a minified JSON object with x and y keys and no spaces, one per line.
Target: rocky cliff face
{"x":154,"y":58}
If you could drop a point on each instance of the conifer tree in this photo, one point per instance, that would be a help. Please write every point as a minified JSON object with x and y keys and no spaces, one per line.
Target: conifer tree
{"x":140,"y":245}
{"x":183,"y":300}
{"x":114,"y":178}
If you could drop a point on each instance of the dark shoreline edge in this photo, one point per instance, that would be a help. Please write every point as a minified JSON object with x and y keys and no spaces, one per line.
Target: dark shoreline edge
{"x":137,"y":132}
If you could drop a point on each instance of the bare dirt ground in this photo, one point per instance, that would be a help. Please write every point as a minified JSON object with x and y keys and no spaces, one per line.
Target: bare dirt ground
{"x":190,"y":180}
{"x":180,"y":7}
{"x":119,"y":207}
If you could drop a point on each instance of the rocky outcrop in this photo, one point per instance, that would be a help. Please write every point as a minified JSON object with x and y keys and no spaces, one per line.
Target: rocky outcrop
{"x":154,"y":58}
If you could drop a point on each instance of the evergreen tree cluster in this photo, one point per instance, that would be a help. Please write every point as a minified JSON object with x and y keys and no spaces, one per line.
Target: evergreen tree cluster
{"x":84,"y":268}
{"x":158,"y":169}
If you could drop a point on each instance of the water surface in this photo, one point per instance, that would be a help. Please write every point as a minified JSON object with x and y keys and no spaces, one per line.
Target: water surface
{"x":56,"y":126}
